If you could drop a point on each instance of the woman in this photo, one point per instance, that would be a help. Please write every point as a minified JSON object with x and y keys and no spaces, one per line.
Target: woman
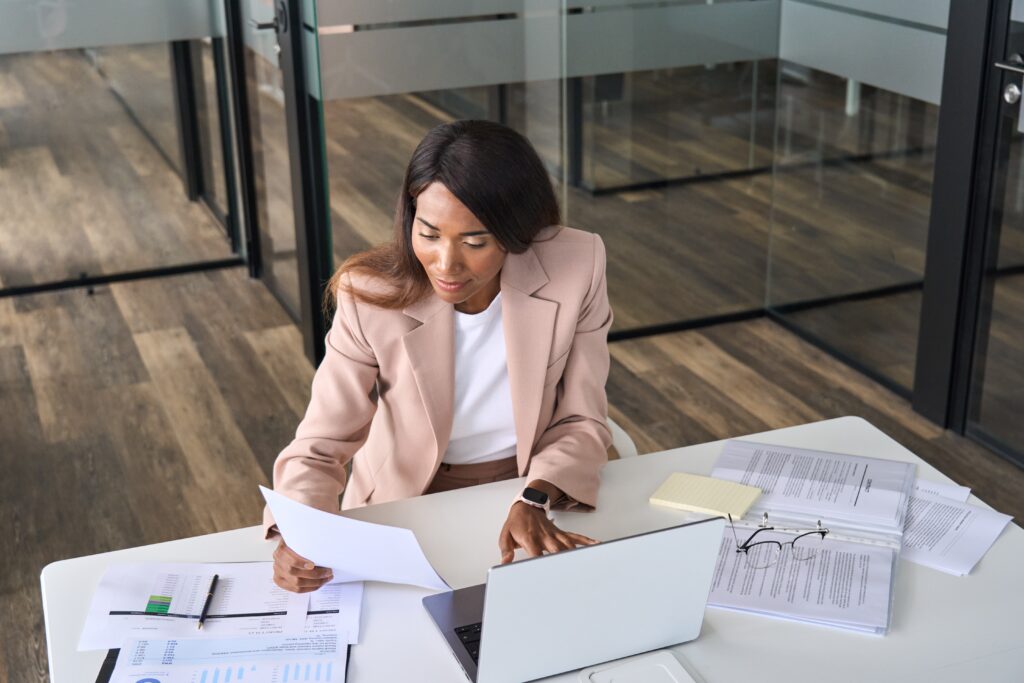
{"x":471,"y":349}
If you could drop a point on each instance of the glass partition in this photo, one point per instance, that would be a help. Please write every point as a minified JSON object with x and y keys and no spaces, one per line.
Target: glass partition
{"x":214,"y":126}
{"x":142,"y":78}
{"x":380,"y":96}
{"x":858,"y":87}
{"x":654,"y":120}
{"x":97,"y":127}
{"x":996,"y":396}
{"x":271,"y":169}
{"x":735,"y":156}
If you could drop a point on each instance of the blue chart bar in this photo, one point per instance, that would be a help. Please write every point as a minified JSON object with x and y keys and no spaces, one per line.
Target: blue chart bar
{"x":216,"y":675}
{"x":202,"y":679}
{"x":328,"y":671}
{"x":308,"y":667}
{"x":318,"y":665}
{"x":227,"y":675}
{"x":287,"y":670}
{"x":241,"y":673}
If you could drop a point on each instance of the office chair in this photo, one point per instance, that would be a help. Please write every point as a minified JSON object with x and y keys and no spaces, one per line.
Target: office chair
{"x":621,"y":442}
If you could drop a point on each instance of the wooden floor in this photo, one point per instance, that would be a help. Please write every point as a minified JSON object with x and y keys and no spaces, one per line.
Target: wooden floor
{"x":151,"y":410}
{"x":82,"y":189}
{"x":146,"y":412}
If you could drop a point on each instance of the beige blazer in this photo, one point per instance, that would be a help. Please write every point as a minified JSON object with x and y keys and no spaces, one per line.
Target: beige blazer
{"x":556,"y":318}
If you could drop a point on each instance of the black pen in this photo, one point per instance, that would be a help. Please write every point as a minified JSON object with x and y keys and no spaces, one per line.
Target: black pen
{"x":209,"y":599}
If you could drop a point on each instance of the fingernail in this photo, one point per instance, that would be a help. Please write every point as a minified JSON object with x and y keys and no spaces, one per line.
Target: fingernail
{"x":309,"y":565}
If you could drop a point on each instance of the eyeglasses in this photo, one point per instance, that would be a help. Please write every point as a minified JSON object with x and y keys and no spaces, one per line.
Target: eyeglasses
{"x":761,"y":554}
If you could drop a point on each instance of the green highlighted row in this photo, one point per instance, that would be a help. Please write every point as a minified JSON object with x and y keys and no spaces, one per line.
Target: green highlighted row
{"x":158,"y":604}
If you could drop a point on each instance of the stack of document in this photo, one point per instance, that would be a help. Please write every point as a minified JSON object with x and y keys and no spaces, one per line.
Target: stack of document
{"x":253,"y":628}
{"x":164,"y":600}
{"x":947,"y":533}
{"x":863,"y":502}
{"x":845,"y":585}
{"x":867,"y":497}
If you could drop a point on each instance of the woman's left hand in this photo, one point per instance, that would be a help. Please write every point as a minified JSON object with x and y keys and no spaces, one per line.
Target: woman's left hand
{"x":529,"y":528}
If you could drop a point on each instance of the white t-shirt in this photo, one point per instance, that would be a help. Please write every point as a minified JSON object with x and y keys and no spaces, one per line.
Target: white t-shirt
{"x":483,"y":428}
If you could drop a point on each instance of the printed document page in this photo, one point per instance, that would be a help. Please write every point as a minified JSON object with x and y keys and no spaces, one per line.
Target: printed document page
{"x":356,"y":551}
{"x":261,"y":659}
{"x":164,"y":600}
{"x":846,"y":585}
{"x":335,"y":608}
{"x":318,"y":653}
{"x":931,"y":489}
{"x":948,"y":535}
{"x":836,"y":488}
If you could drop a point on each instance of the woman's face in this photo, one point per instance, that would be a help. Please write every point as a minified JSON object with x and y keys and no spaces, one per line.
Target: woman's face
{"x":460,"y":257}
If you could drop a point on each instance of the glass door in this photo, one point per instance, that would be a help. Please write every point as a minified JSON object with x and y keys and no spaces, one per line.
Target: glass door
{"x":996,"y":395}
{"x":859,"y":89}
{"x":264,"y":93}
{"x":282,"y":151}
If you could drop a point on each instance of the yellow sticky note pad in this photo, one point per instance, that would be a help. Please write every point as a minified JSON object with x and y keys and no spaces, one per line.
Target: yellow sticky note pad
{"x":695,"y":493}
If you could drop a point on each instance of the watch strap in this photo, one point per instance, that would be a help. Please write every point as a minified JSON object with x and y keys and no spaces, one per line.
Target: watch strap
{"x":533,"y":497}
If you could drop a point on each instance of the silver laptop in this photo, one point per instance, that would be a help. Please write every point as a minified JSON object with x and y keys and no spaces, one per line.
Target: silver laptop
{"x":547,"y":615}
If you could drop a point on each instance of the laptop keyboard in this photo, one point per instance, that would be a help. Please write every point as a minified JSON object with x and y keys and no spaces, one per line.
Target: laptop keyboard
{"x":470,"y":637}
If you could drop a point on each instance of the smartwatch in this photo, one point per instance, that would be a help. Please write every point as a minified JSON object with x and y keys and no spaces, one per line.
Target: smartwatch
{"x":535,"y":498}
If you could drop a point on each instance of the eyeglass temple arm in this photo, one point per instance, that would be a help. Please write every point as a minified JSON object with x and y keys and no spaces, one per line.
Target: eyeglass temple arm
{"x":736,"y":538}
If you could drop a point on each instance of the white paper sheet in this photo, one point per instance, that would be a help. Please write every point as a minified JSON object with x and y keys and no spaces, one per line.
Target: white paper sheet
{"x":262,"y":659}
{"x":336,"y":608}
{"x":164,"y":600}
{"x":354,"y":550}
{"x":845,"y":585}
{"x":948,"y":535}
{"x":865,"y":493}
{"x":931,"y":489}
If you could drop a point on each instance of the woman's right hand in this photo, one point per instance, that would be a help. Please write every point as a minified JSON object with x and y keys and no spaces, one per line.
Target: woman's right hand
{"x":297,"y":574}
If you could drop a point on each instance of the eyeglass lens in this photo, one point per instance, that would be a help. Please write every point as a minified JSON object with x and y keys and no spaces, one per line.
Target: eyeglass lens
{"x":766,"y":554}
{"x":763,"y":555}
{"x":805,"y":546}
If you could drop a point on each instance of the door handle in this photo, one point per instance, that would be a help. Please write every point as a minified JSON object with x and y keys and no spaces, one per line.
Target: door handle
{"x":279,"y":24}
{"x":1015,"y":64}
{"x":266,"y":25}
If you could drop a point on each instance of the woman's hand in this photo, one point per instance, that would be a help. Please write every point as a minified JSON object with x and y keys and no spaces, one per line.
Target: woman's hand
{"x":297,"y":574}
{"x":529,"y":528}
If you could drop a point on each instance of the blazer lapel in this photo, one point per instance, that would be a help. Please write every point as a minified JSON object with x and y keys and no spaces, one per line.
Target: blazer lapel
{"x":431,"y":351}
{"x":529,"y":325}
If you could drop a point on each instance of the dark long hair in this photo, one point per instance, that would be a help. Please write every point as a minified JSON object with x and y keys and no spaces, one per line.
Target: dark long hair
{"x":493,"y":170}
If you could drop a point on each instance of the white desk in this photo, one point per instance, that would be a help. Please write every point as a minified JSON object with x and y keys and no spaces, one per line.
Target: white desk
{"x":944,"y":628}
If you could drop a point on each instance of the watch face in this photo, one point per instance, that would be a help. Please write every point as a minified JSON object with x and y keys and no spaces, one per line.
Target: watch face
{"x":535,"y":496}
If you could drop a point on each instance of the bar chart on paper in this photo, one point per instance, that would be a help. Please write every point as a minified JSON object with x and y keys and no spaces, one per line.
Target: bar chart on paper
{"x":257,"y":673}
{"x":307,"y":672}
{"x":321,"y":672}
{"x":226,"y":674}
{"x":164,"y":600}
{"x":244,"y":660}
